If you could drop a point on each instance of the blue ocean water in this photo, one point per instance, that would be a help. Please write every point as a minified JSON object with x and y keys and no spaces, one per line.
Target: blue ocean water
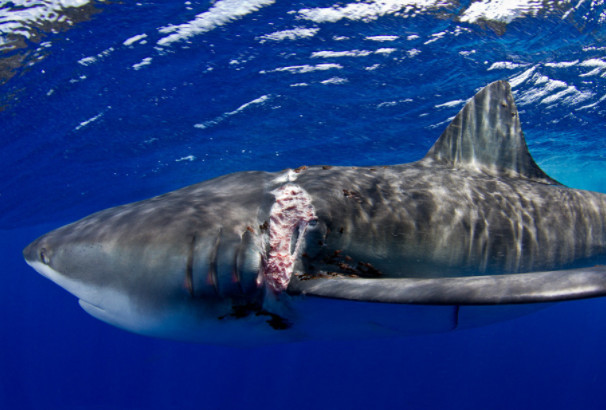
{"x":103,"y":103}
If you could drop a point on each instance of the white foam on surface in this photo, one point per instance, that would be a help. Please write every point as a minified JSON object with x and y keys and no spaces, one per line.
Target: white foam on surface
{"x":134,"y":39}
{"x":543,"y":87}
{"x":293,"y":34}
{"x":540,"y":89}
{"x":594,"y":72}
{"x":598,"y":66}
{"x":454,"y":103}
{"x":386,"y":104}
{"x":594,"y":62}
{"x":259,"y":100}
{"x":85,"y":123}
{"x":334,"y":81}
{"x":501,"y":11}
{"x":385,"y":50}
{"x":86,"y":61}
{"x":505,"y":65}
{"x":26,"y":14}
{"x":256,"y":101}
{"x":520,"y":78}
{"x":146,"y":61}
{"x":221,"y":13}
{"x":305,"y":68}
{"x":370,"y":10}
{"x":413,"y":52}
{"x":569,"y":96}
{"x":382,"y":38}
{"x":562,"y":64}
{"x":350,"y":53}
{"x":595,"y":104}
{"x":189,"y":158}
{"x":435,"y":37}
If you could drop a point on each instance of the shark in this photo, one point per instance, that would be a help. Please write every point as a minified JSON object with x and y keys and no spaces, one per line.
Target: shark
{"x":474,"y":232}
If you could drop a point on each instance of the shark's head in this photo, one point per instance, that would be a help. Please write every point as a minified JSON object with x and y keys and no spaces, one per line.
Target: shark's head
{"x":168,"y":263}
{"x":121,"y":278}
{"x":72,"y":264}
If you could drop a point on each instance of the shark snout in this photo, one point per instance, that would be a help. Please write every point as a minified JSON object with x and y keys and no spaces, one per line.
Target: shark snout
{"x":48,"y":257}
{"x":38,"y":255}
{"x":30,"y":251}
{"x":37,"y":252}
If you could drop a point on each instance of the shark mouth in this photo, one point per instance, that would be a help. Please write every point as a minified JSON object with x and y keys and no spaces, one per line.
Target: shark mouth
{"x":289,"y":217}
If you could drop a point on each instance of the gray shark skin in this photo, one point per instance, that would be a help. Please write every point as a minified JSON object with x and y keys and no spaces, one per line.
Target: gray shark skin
{"x":332,"y":252}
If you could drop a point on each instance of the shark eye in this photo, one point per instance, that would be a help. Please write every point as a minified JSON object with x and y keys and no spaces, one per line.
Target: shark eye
{"x":44,"y":257}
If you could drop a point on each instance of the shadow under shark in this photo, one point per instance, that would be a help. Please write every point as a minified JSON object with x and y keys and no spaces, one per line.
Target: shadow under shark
{"x":336,"y":252}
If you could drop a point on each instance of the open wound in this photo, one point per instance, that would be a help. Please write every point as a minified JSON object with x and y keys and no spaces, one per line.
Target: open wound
{"x":289,"y":217}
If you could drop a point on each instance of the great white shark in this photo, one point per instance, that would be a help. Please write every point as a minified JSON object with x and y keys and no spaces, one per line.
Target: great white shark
{"x":323,"y":251}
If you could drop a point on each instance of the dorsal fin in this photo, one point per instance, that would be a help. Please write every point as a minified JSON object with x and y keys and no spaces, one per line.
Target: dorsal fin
{"x":486,"y":134}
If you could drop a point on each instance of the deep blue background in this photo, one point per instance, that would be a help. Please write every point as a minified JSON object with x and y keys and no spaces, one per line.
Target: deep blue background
{"x":83,"y":129}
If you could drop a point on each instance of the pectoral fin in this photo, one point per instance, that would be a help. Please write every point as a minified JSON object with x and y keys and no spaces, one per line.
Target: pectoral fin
{"x":534,"y":287}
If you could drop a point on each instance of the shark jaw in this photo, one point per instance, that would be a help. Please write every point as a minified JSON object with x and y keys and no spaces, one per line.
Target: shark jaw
{"x":203,"y":323}
{"x":105,"y":304}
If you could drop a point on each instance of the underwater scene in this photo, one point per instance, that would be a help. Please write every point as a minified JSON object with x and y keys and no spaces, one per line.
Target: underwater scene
{"x":105,"y":103}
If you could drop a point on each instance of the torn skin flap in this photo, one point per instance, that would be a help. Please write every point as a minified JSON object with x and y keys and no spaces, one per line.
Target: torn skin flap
{"x":289,"y":217}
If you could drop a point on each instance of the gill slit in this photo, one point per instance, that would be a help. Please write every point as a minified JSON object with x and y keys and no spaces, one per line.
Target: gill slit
{"x":236,"y":273}
{"x":189,"y":268}
{"x":212,"y":267}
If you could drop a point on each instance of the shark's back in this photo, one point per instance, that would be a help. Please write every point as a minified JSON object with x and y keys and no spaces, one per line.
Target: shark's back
{"x":476,"y":204}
